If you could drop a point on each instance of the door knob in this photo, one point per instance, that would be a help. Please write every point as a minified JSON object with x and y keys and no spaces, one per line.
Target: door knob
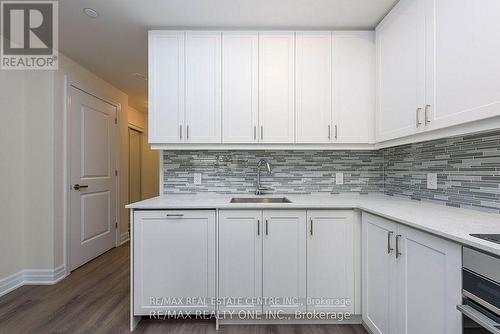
{"x":78,"y":187}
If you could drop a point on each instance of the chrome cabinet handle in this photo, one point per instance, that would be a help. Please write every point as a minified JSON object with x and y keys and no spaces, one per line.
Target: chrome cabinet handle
{"x":336,"y":131}
{"x":261,"y":132}
{"x":427,"y":119}
{"x":254,"y":132}
{"x":180,"y":131}
{"x":329,"y":132}
{"x":389,"y":247}
{"x":418,"y":122}
{"x":258,"y":226}
{"x":267,"y":227}
{"x":311,"y":229}
{"x":78,"y":186}
{"x":175,"y":215}
{"x":187,"y":131}
{"x":398,"y":250}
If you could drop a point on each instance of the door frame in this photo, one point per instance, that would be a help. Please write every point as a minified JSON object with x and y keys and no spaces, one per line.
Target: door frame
{"x":69,"y":82}
{"x":141,"y":131}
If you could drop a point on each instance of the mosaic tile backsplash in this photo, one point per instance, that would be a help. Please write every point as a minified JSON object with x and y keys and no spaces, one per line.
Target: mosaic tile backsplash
{"x":299,"y":172}
{"x":468,"y":170}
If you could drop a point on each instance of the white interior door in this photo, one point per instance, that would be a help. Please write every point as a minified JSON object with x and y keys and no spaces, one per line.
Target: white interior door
{"x":92,"y":177}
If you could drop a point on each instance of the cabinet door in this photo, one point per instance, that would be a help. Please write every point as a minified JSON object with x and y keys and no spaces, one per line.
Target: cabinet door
{"x":276,"y":87}
{"x":284,"y":260}
{"x":377,"y":273}
{"x":174,"y":259}
{"x":400,"y":71}
{"x":330,"y":261}
{"x":313,"y":87}
{"x":353,"y":87}
{"x":240,"y":65}
{"x":429,"y":284}
{"x":240,"y":259}
{"x":166,"y":86}
{"x":462,"y":61}
{"x":203,"y":87}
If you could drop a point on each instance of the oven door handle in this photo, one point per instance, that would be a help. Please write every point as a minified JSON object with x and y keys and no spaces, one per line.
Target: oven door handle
{"x":479,"y":318}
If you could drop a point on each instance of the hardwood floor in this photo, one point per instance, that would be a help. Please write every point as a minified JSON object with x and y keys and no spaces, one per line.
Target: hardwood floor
{"x":95,"y":299}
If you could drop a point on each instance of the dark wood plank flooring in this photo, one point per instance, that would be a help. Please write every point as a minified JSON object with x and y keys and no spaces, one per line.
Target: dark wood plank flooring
{"x":95,"y":299}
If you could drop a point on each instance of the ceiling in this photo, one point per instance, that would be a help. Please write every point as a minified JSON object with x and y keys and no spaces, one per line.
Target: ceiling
{"x":114,"y":45}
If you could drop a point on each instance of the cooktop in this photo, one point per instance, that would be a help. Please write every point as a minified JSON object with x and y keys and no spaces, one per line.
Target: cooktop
{"x":489,"y":237}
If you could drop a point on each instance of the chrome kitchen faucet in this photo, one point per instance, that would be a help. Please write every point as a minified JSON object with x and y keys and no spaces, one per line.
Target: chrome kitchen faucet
{"x":259,"y":190}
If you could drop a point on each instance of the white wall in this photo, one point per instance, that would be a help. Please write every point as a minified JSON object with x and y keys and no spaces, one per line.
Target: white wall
{"x":32,"y":164}
{"x":12,"y":97}
{"x":39,"y":178}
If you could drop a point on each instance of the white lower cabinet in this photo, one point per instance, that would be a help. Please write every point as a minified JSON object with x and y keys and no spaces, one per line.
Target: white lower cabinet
{"x":174,"y":261}
{"x":240,"y":260}
{"x":287,"y":258}
{"x":284,"y":261}
{"x":411,"y":280}
{"x":377,"y":267}
{"x":330,"y":260}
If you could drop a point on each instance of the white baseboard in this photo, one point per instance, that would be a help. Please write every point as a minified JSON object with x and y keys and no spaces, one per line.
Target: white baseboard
{"x":124,"y":237}
{"x":32,"y":277}
{"x":11,"y":282}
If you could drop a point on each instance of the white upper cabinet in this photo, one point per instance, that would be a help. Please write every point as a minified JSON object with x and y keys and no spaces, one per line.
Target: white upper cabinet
{"x":353,"y":87}
{"x":400,"y":71}
{"x":335,"y":87}
{"x":203,"y":87}
{"x":243,"y":87}
{"x":166,"y":86}
{"x":438,"y":66}
{"x":313,"y":87}
{"x":240,"y":101}
{"x":276,"y":87}
{"x":462,"y":61}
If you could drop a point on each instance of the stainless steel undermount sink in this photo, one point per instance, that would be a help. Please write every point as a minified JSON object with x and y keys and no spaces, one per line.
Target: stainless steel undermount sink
{"x":260,"y":200}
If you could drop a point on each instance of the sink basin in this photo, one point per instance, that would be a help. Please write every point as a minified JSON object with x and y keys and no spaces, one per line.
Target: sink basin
{"x":260,"y":200}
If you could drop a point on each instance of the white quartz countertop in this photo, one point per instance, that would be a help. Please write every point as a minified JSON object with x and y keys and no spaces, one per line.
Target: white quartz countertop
{"x":451,"y":223}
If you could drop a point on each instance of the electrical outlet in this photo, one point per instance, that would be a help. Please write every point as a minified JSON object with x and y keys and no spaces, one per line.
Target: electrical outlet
{"x":197,"y":178}
{"x":432,"y":182}
{"x":339,"y":178}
